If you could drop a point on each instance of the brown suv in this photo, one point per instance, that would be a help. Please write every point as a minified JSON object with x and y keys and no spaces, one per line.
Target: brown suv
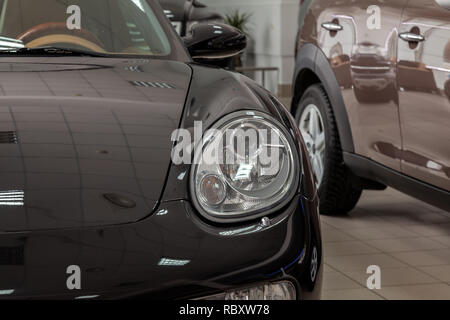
{"x":372,"y":98}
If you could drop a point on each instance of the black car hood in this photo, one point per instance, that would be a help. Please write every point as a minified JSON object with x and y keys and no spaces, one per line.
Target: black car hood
{"x":85,"y":141}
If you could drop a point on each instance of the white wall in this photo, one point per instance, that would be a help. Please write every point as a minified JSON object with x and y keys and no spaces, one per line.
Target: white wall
{"x":273,"y":30}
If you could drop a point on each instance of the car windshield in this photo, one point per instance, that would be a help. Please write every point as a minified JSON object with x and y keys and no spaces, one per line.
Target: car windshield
{"x":125,"y":27}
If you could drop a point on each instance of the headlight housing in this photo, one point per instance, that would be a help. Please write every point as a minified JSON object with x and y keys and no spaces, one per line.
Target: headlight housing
{"x":246,"y":166}
{"x":283,"y":290}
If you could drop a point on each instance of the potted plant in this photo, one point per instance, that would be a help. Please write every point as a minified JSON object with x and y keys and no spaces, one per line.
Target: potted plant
{"x":239,"y":20}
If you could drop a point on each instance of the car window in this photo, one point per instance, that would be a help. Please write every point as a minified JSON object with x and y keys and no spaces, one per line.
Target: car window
{"x":106,"y":26}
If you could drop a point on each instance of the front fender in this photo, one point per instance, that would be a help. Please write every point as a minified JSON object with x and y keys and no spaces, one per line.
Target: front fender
{"x":312,"y":66}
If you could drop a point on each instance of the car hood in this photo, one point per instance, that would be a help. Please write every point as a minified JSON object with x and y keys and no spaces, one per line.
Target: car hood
{"x":85,"y":141}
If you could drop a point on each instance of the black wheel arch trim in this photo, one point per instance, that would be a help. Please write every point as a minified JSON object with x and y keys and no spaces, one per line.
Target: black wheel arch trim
{"x":369,"y":169}
{"x":311,"y":58}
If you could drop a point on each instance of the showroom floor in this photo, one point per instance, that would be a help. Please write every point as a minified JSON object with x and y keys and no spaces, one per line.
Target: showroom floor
{"x":408,"y":239}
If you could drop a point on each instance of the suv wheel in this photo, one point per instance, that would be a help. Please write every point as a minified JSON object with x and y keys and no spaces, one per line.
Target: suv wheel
{"x":336,"y":185}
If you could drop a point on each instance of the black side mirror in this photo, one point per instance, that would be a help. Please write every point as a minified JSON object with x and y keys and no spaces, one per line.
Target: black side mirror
{"x":214,"y":41}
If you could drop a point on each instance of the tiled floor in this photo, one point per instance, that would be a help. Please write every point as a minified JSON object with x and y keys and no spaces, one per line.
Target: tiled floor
{"x":408,"y":239}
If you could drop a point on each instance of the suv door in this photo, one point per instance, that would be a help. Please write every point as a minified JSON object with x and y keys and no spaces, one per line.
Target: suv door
{"x":364,"y":59}
{"x":424,"y":82}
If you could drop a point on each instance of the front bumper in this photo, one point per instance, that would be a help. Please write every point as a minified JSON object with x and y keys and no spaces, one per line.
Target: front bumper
{"x":171,"y":255}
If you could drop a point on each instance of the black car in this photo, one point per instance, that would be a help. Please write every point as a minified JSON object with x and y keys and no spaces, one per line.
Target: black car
{"x":96,"y":102}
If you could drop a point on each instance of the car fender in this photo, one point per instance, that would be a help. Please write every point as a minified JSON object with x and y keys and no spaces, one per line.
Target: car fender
{"x":310,"y":58}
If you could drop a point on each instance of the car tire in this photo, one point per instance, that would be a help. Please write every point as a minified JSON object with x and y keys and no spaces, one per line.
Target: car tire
{"x":338,"y":189}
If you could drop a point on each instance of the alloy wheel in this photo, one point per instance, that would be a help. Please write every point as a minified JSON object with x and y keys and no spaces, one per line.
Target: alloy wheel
{"x":313,"y":132}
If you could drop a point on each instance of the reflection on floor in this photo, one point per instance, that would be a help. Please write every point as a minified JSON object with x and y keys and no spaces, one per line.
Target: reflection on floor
{"x":408,"y":239}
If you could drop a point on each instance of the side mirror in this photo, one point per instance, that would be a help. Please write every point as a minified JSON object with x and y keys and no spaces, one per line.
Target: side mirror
{"x":214,"y":41}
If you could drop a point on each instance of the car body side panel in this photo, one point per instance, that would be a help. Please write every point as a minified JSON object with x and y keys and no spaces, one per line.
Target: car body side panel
{"x":172,"y":253}
{"x":312,"y":59}
{"x":424,"y":81}
{"x":361,"y":68}
{"x":216,"y":94}
{"x":167,"y":256}
{"x":175,"y":253}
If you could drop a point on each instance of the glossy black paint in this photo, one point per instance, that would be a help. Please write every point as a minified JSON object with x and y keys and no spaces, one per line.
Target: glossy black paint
{"x":86,"y":128}
{"x":214,"y":41}
{"x":120,"y":256}
{"x":128,"y":260}
{"x":86,"y":143}
{"x":214,"y":94}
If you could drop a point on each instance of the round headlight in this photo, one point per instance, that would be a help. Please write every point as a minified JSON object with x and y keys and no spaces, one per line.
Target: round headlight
{"x":246,"y":166}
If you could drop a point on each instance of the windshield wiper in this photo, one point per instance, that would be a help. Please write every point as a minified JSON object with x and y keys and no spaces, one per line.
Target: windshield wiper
{"x":48,"y":50}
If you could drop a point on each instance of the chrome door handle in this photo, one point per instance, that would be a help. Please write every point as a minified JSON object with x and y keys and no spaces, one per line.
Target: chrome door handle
{"x":411,"y":37}
{"x":331,"y":26}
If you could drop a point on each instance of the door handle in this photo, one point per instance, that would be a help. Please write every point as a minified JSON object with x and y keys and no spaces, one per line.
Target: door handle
{"x":411,"y":37}
{"x":331,"y":26}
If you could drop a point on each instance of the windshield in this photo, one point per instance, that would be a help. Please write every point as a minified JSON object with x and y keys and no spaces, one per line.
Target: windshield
{"x":125,"y":27}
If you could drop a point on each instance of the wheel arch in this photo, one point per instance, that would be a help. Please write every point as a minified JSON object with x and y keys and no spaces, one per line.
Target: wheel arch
{"x":312,"y":67}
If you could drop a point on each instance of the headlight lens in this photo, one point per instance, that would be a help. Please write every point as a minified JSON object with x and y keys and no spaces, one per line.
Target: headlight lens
{"x":271,"y":291}
{"x":245,"y":165}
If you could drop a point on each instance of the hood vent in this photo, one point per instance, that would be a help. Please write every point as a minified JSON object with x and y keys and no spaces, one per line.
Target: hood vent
{"x":12,"y":198}
{"x":147,"y":84}
{"x":8,"y":137}
{"x":133,"y":69}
